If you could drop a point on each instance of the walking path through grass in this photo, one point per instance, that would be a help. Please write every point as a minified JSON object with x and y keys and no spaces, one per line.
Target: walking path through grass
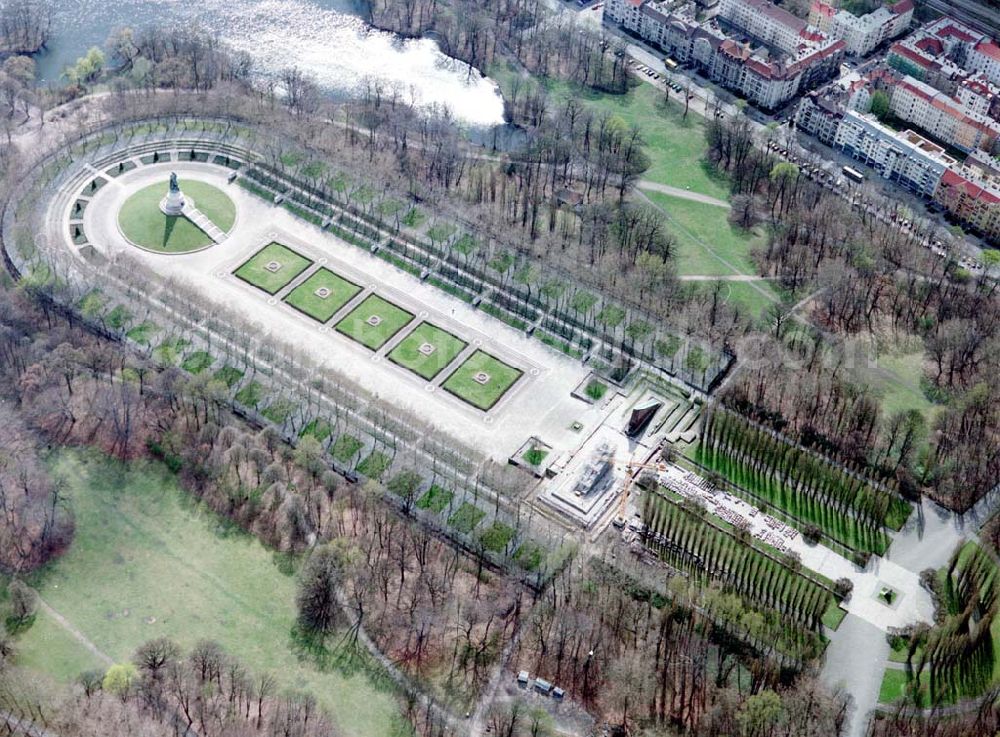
{"x":147,"y":561}
{"x":684,"y":194}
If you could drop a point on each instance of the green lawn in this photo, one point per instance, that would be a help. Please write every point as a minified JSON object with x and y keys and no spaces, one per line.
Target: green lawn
{"x":834,"y":615}
{"x":893,"y":685}
{"x":707,"y":243}
{"x":290,"y":264}
{"x":144,"y":224}
{"x":142,"y":333}
{"x":195,"y":363}
{"x":446,"y":349}
{"x":345,"y":448}
{"x":318,"y":429}
{"x":147,"y":561}
{"x":466,"y":517}
{"x":319,"y":307}
{"x":676,"y":147}
{"x":356,"y":324}
{"x":375,"y":465}
{"x":497,"y":537}
{"x":46,"y":647}
{"x":896,"y":375}
{"x":501,"y":377}
{"x":435,"y":499}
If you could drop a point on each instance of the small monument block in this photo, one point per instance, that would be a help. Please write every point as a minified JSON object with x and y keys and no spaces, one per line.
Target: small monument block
{"x":273,"y":266}
{"x":374,"y":321}
{"x":426,"y":349}
{"x":481,"y":377}
{"x":322,"y":292}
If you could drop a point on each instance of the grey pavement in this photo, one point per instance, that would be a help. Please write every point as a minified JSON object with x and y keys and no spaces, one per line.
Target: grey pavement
{"x":855,"y":663}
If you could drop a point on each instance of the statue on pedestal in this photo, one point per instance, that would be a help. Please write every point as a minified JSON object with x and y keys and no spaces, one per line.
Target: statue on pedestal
{"x":173,"y":204}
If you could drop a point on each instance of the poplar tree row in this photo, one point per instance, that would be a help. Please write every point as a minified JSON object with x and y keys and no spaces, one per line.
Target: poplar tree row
{"x":809,"y":487}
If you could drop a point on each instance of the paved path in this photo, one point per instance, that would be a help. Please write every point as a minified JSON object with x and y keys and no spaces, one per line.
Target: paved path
{"x":855,"y":662}
{"x":684,"y":194}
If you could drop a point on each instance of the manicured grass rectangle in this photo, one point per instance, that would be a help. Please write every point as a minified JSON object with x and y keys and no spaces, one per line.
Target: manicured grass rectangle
{"x":290,"y":264}
{"x":197,"y":362}
{"x":359,"y":326}
{"x":834,"y":615}
{"x":374,"y":465}
{"x":428,"y":365}
{"x":229,"y":375}
{"x":497,"y":537}
{"x":893,"y":685}
{"x":319,"y":429}
{"x":339,"y":292}
{"x":529,"y":556}
{"x":466,"y":517}
{"x":499,"y":378}
{"x":435,"y":499}
{"x":142,"y":334}
{"x":250,"y":395}
{"x":345,"y":448}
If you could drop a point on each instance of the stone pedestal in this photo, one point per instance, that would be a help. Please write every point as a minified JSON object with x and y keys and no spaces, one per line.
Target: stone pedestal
{"x":173,"y":203}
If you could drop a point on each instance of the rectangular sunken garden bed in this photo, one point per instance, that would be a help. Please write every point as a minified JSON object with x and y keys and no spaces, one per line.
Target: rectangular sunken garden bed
{"x":482,"y":380}
{"x":373,"y":322}
{"x":427,"y":350}
{"x":272,"y":268}
{"x":322,"y":294}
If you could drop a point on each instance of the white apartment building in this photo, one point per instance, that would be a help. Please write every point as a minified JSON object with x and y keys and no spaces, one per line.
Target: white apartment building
{"x":942,"y":116}
{"x":984,"y":58}
{"x":907,"y":157}
{"x":862,"y":34}
{"x":766,"y":22}
{"x":979,"y":96}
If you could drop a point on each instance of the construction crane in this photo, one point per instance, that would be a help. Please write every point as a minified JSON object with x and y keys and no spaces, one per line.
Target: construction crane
{"x":632,"y":469}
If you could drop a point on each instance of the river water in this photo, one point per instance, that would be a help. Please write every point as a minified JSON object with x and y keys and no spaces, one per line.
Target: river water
{"x":325,"y":38}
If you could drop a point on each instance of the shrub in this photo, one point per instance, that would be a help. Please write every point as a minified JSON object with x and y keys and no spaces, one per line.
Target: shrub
{"x":843,"y":587}
{"x":812,"y":534}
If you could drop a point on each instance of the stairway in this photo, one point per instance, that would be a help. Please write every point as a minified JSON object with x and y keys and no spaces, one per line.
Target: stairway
{"x":199,"y":218}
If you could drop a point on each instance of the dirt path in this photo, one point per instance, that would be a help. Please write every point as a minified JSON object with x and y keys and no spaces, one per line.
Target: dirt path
{"x":730,"y":277}
{"x":77,"y":634}
{"x":683,"y":194}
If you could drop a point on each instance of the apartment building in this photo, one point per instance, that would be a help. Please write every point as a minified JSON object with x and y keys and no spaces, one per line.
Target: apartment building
{"x":862,"y":34}
{"x":979,"y":96}
{"x":820,"y":112}
{"x":943,"y":117}
{"x":765,"y":78}
{"x":766,"y":22}
{"x":984,"y":58}
{"x":937,"y":53}
{"x":971,"y":199}
{"x":907,"y":157}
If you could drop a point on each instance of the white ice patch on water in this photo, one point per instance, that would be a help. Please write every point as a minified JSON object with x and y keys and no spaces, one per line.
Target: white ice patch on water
{"x":337,"y":49}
